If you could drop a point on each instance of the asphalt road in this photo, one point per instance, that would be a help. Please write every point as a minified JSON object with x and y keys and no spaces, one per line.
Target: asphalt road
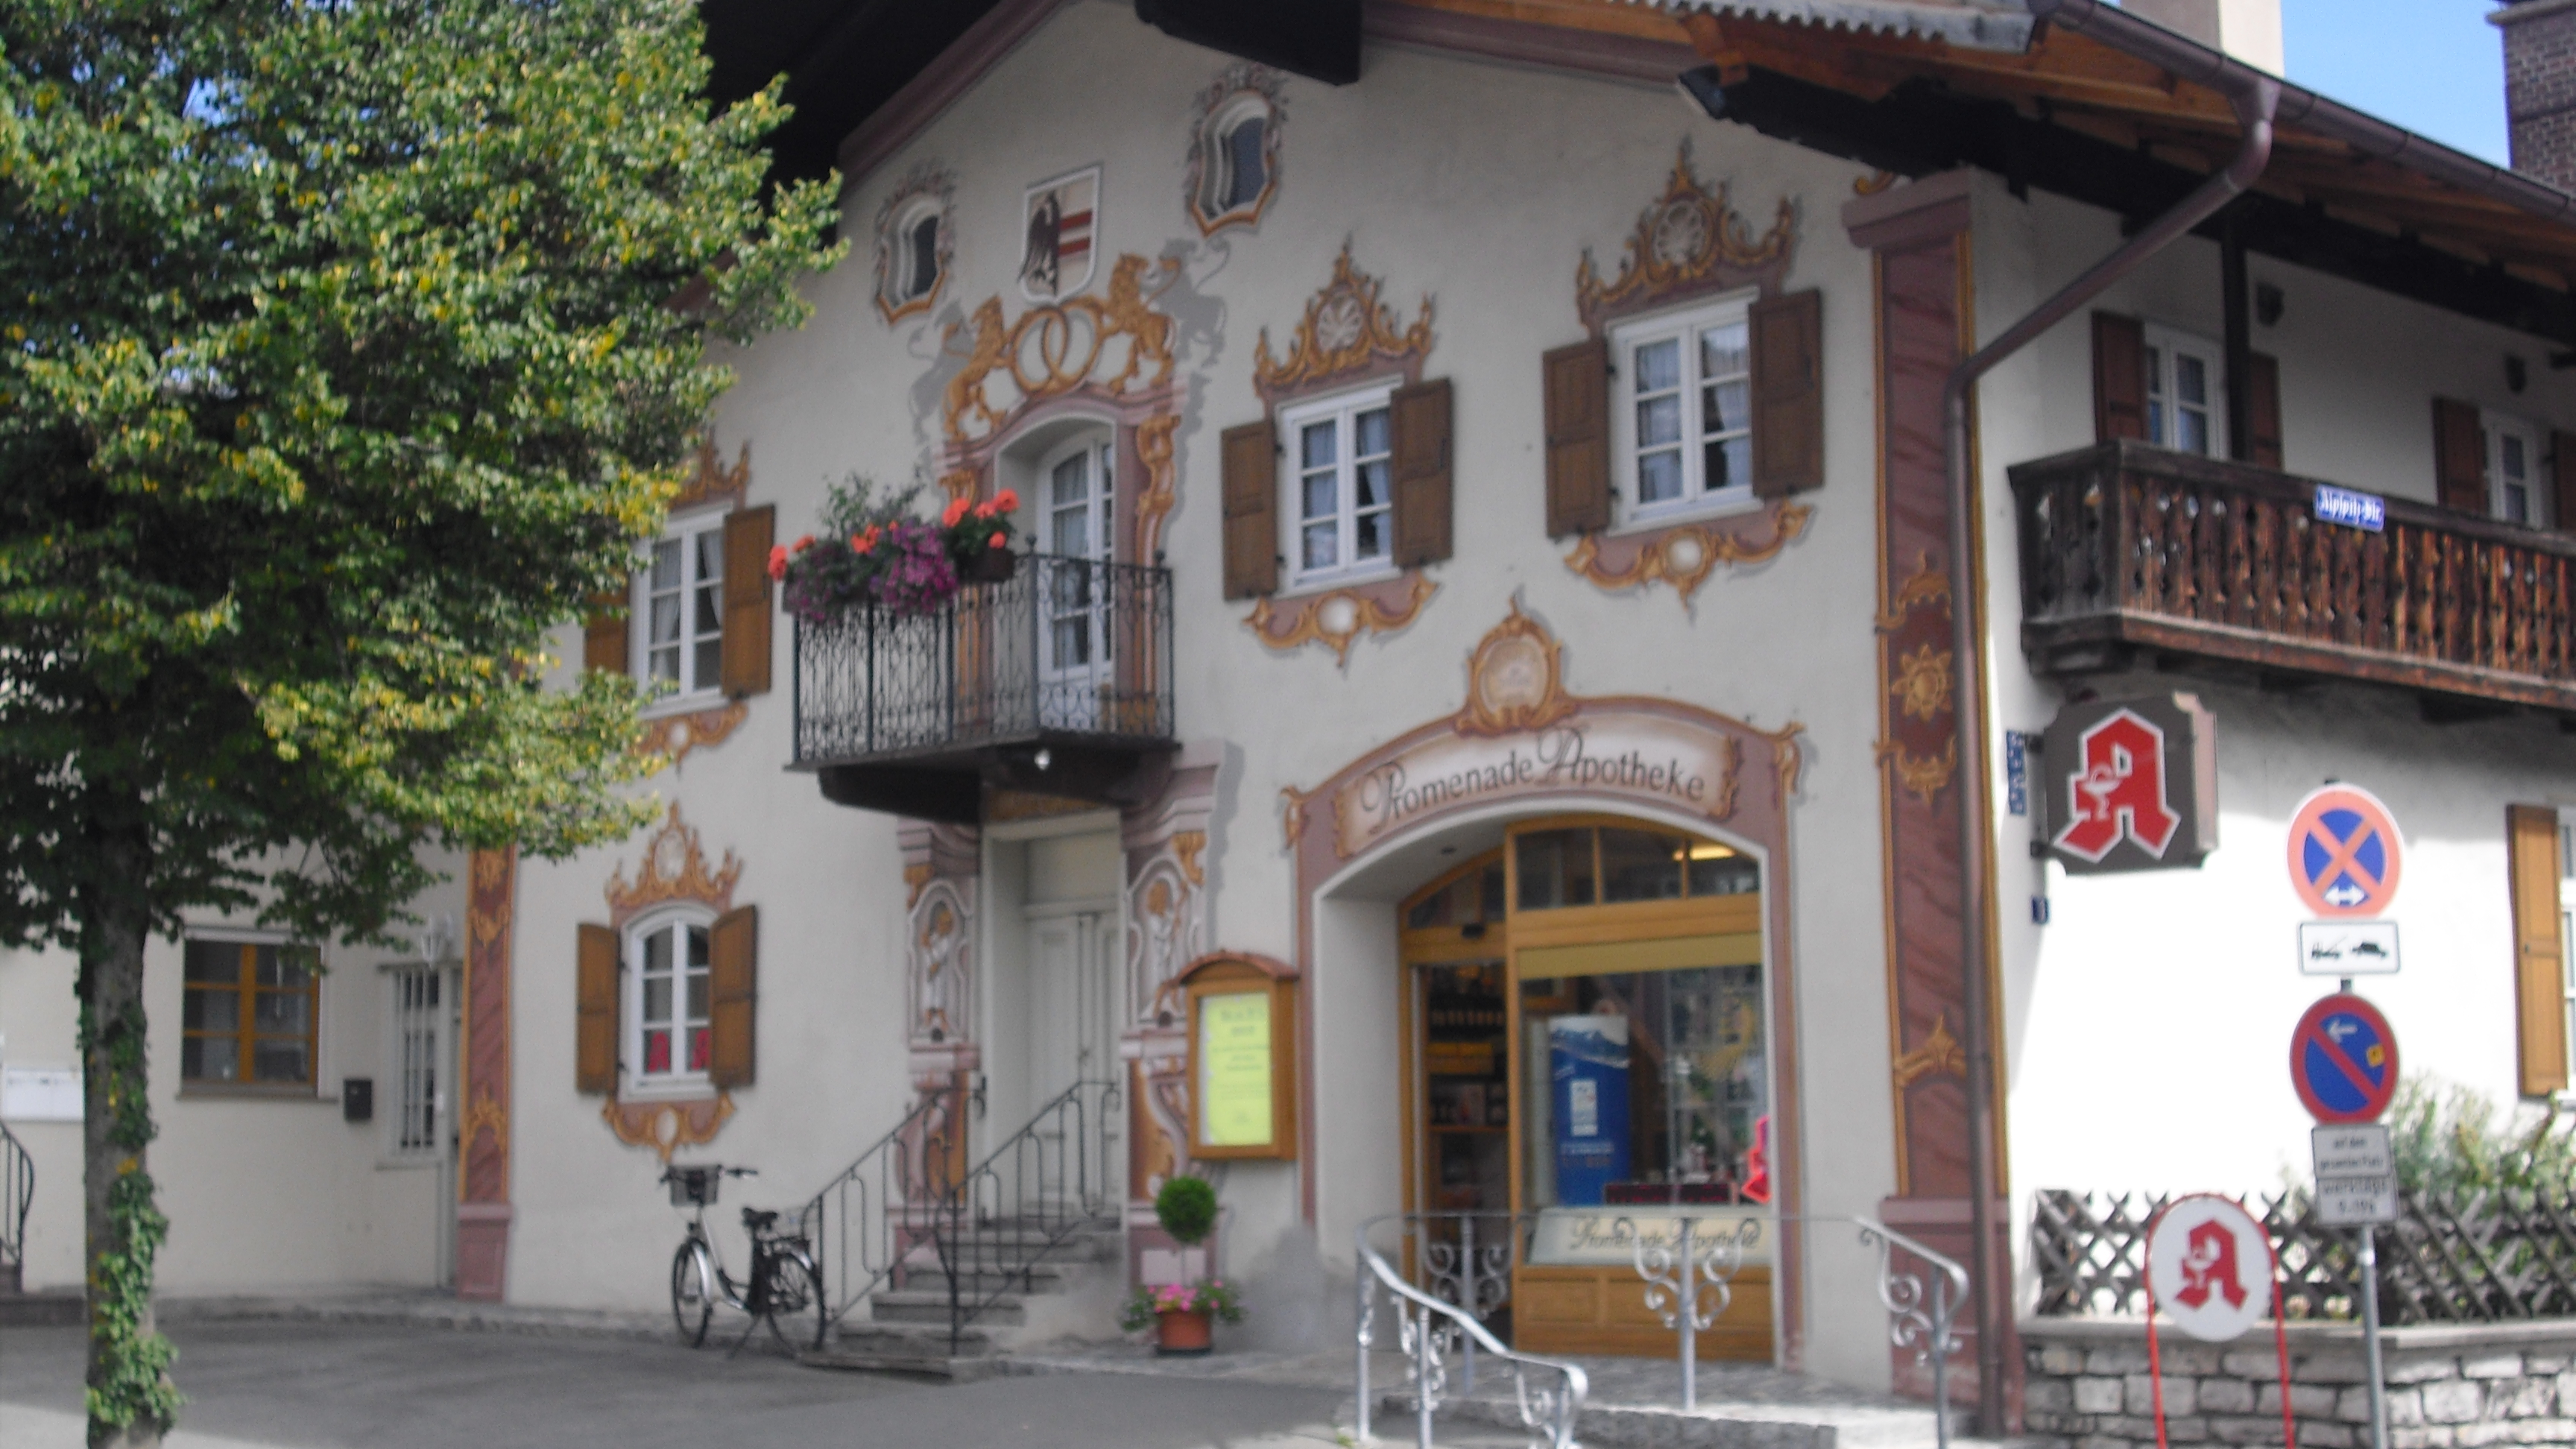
{"x":341,"y":1386}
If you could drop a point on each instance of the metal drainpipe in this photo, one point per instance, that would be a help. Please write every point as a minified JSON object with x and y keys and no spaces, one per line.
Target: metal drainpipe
{"x":2254,"y":96}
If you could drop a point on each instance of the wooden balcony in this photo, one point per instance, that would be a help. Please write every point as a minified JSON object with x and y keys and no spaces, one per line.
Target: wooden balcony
{"x":2132,"y":554}
{"x":1055,"y":682}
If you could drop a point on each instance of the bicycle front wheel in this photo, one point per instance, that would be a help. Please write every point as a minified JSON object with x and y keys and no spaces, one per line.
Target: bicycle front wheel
{"x":796,"y":1300}
{"x":693,"y":1293}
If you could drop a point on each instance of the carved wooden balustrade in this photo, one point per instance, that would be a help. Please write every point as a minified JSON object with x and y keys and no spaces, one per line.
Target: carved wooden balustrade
{"x":2127,"y":549}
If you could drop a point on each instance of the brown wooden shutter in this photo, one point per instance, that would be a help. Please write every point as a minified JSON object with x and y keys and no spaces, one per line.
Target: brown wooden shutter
{"x":1578,"y":437}
{"x":1249,"y":457}
{"x":603,"y":636}
{"x":1788,"y":393}
{"x":2119,"y":377}
{"x":733,"y":957}
{"x":595,"y":996}
{"x":747,"y":537}
{"x":2459,"y":455}
{"x":2263,"y":409}
{"x":2531,"y":863}
{"x":1419,"y":418}
{"x":2562,"y":477}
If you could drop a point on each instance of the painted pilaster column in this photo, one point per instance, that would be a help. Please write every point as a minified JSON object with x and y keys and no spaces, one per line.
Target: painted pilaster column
{"x":483,"y":1132}
{"x":1166,"y":847}
{"x":942,"y":870}
{"x":1918,"y":235}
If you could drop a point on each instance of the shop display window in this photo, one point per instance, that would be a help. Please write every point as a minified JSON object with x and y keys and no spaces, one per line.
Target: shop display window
{"x":1561,"y":868}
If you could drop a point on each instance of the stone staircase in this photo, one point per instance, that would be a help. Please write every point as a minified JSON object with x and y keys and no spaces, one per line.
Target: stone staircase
{"x":1028,"y":1294}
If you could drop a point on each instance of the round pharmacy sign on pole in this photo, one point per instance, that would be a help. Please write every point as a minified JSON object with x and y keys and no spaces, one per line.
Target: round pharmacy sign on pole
{"x":2209,"y":1267}
{"x":2343,"y":1060}
{"x":2344,"y":852}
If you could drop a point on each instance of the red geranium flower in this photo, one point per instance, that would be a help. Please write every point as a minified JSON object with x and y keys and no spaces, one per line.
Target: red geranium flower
{"x":777,"y":563}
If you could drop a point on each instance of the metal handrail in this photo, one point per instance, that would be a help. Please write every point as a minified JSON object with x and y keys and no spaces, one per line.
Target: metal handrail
{"x":1035,"y":1189}
{"x":869,"y":1216}
{"x":1475,"y":1276}
{"x":1424,"y":1328}
{"x":18,"y":1191}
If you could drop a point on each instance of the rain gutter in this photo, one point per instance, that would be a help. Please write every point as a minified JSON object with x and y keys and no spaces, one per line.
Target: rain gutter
{"x":2255,"y":98}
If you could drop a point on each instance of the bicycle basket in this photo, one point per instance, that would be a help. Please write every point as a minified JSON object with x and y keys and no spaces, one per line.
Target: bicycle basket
{"x":694,"y":1186}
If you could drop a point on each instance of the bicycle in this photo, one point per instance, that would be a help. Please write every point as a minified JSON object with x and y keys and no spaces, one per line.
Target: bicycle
{"x":784,"y":1282}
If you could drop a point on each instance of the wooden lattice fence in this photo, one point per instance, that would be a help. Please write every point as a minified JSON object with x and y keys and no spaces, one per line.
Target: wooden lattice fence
{"x":2481,"y":1258}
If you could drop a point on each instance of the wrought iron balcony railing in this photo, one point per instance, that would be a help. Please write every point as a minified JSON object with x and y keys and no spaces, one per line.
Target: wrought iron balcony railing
{"x":1057,"y":680}
{"x":2128,"y":549}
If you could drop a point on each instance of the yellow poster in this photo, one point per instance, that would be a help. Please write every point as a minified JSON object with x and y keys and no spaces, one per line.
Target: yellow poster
{"x":1234,"y":1070}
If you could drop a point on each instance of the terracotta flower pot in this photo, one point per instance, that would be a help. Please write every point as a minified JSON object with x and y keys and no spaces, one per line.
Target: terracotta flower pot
{"x":1181,"y":1335}
{"x":992,"y":566}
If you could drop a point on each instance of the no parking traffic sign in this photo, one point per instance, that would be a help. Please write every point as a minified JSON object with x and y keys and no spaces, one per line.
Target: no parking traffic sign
{"x":2345,"y":852}
{"x":2343,"y":1060}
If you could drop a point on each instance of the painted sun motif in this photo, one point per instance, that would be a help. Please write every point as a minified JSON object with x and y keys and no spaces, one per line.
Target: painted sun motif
{"x":1680,"y":232}
{"x":1922,"y":686}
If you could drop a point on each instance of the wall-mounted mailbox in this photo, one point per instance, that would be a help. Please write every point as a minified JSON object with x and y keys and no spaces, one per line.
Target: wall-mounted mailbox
{"x":357,"y":1099}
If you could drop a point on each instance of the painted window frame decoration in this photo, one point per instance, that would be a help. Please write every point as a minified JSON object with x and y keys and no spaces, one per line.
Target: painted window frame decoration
{"x":927,"y":191}
{"x":2167,"y":349}
{"x":690,"y":928}
{"x":1245,"y":91}
{"x":1682,"y":327}
{"x":692,"y":538}
{"x":1686,"y":250}
{"x":1344,"y":411}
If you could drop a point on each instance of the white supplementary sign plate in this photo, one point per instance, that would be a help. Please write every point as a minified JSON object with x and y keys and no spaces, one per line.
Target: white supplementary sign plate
{"x":2209,"y":1267}
{"x":2359,"y":1149}
{"x":2349,"y":1202}
{"x":2347,"y":948}
{"x":40,"y":1094}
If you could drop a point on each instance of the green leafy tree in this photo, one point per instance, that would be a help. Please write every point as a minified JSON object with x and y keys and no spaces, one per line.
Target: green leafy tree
{"x":350,"y":346}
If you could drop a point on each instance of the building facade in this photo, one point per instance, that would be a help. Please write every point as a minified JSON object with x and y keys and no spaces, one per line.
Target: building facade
{"x":1485,"y":630}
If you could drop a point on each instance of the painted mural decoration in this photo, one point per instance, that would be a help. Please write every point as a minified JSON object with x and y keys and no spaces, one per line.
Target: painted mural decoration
{"x":1346,"y":334}
{"x":1166,"y":850}
{"x":674,"y":868}
{"x":1687,"y":242}
{"x":483,"y":1127}
{"x":1234,"y":147}
{"x":916,"y":241}
{"x":1060,"y":227}
{"x":1916,"y":738}
{"x":1521,"y":734}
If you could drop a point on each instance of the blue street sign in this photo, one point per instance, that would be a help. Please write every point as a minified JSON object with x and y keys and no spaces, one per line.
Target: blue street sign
{"x":2365,"y":511}
{"x":2343,"y":1061}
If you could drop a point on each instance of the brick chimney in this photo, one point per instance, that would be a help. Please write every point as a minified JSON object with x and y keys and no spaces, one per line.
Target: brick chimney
{"x":2249,"y":30}
{"x":2540,"y":87}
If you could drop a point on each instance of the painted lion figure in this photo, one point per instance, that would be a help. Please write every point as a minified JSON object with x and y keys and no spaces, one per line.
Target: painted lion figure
{"x":1149,"y":332}
{"x":989,"y":352}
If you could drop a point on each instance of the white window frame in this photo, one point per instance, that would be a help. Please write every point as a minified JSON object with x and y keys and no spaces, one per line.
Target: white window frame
{"x":2164,"y":346}
{"x":1216,"y":174}
{"x":1682,"y":326}
{"x":908,"y":283}
{"x":683,"y":532}
{"x":1344,"y":409}
{"x":2497,"y":427}
{"x":636,"y":1083}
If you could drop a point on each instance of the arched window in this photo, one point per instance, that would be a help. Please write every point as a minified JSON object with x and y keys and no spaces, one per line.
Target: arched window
{"x":915,"y":243}
{"x":921,"y":254}
{"x":670,"y":1005}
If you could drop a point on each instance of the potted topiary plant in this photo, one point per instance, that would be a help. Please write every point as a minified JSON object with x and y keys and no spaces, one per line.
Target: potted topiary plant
{"x":1181,"y":1313}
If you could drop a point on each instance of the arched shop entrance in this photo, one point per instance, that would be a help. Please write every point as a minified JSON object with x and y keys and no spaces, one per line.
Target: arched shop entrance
{"x":1547,"y":947}
{"x":1583,"y":1025}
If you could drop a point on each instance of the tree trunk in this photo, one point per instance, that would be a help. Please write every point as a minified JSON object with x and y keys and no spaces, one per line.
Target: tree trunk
{"x":131,"y":1399}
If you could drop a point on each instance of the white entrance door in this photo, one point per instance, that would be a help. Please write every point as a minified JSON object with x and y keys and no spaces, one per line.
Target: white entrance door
{"x":1073,"y":1031}
{"x":427,"y":1010}
{"x":1073,"y":585}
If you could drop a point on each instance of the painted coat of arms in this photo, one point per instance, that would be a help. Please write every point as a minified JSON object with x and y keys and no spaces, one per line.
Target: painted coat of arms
{"x":1062,"y":227}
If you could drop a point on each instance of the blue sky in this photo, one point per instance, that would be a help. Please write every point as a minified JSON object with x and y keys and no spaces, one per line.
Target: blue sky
{"x":2433,"y":66}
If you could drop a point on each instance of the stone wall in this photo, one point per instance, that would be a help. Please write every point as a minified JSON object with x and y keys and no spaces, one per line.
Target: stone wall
{"x":2448,"y":1385}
